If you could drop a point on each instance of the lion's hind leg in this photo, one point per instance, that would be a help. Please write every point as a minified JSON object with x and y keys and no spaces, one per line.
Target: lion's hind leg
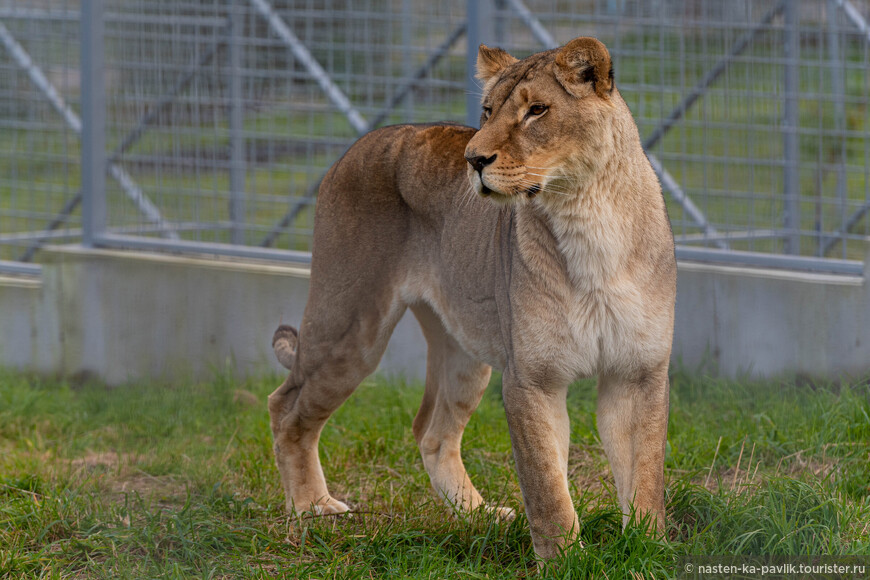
{"x":331,"y":357}
{"x":455,"y":383}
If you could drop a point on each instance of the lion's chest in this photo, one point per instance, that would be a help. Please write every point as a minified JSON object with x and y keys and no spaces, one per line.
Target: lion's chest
{"x":609,"y":321}
{"x":589,"y":330}
{"x":606,"y":329}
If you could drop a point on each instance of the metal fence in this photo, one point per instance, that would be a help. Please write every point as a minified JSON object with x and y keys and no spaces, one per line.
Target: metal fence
{"x":206,"y":125}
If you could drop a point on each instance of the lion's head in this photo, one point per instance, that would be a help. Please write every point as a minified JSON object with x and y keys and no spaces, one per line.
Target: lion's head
{"x":547,"y":120}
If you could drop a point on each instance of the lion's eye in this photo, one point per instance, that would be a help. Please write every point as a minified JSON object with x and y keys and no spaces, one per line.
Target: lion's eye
{"x":537,"y":110}
{"x":487,"y":111}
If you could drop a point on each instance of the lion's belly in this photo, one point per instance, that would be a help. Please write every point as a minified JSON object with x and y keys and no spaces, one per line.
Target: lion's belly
{"x":475,"y":327}
{"x":468,"y":314}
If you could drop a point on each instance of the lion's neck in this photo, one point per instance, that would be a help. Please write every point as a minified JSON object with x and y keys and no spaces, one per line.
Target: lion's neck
{"x":590,"y":227}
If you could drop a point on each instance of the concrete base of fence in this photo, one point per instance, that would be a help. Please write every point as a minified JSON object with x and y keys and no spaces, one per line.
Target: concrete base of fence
{"x":126,"y":316}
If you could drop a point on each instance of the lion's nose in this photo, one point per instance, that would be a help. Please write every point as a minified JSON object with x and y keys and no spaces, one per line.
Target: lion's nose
{"x":479,"y":161}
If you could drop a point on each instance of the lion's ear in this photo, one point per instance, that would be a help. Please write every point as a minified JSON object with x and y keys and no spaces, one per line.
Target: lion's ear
{"x":585,"y":60}
{"x":491,"y":61}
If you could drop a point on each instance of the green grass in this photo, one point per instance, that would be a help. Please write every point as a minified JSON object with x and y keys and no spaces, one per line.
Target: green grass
{"x":179,"y":481}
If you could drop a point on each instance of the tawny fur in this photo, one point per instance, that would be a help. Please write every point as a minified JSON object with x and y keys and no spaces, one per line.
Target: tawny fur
{"x":548,"y":256}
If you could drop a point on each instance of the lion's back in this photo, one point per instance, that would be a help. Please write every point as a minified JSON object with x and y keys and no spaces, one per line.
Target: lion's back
{"x":420,"y":166}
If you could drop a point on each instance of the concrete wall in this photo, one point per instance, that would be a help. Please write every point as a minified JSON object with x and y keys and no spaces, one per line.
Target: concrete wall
{"x":124,"y":316}
{"x":129,"y":315}
{"x":768,"y":322}
{"x":28,"y":326}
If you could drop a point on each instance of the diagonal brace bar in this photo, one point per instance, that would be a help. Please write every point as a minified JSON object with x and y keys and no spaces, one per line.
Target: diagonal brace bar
{"x":421,"y":72}
{"x":714,"y":73}
{"x":685,"y":201}
{"x":543,"y":36}
{"x":540,"y":33}
{"x":133,"y":136}
{"x":131,"y":189}
{"x":855,"y":17}
{"x":335,"y":94}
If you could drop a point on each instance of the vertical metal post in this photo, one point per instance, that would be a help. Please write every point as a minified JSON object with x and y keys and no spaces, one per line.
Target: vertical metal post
{"x":791,"y":82}
{"x":499,"y":22}
{"x":237,"y":138}
{"x":93,"y":107}
{"x":472,"y":88}
{"x":408,"y":57}
{"x":838,"y":94}
{"x":481,"y":25}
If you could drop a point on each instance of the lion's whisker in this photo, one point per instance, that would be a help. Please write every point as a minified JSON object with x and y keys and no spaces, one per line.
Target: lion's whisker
{"x":549,"y":187}
{"x":468,"y":194}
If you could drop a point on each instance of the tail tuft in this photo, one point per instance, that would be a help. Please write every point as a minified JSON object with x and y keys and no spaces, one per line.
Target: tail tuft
{"x":284,"y":343}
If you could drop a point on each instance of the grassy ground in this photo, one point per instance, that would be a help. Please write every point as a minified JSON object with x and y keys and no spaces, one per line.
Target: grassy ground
{"x":179,"y":481}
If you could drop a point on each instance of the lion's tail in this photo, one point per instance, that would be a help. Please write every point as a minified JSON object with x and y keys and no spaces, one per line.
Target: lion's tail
{"x":284,"y":343}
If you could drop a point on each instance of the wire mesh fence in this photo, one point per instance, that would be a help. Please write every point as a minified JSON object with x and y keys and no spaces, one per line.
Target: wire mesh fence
{"x":221,"y":116}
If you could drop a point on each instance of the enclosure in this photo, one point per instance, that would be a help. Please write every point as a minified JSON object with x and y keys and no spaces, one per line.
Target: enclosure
{"x":145,"y":128}
{"x":159,"y":164}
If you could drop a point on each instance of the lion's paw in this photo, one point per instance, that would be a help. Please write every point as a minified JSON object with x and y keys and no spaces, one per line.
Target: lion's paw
{"x":329,"y":507}
{"x":323,"y":507}
{"x":502,"y":514}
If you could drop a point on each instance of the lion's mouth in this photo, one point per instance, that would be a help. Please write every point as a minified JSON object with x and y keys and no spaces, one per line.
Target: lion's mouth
{"x":484,"y":190}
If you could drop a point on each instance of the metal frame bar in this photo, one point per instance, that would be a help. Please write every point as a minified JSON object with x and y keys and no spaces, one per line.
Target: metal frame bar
{"x":742,"y":235}
{"x":838,"y":93}
{"x":712,"y":75}
{"x":37,"y":14}
{"x":237,"y":126}
{"x":58,"y":221}
{"x":854,"y":17}
{"x":473,"y":41}
{"x":687,"y":253}
{"x":682,"y":198}
{"x":840,"y":236}
{"x":780,"y":261}
{"x":211,"y":248}
{"x":790,"y":125}
{"x":8,"y":267}
{"x":71,"y":233}
{"x":537,"y":29}
{"x":292,"y":213}
{"x":92,"y":126}
{"x":753,"y":259}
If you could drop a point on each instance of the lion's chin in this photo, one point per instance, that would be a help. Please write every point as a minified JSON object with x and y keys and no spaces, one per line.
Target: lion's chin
{"x":496,"y":197}
{"x":490,"y":194}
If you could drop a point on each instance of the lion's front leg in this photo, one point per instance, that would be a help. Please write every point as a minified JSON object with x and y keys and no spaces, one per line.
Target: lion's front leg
{"x":633,"y":425}
{"x":539,"y":427}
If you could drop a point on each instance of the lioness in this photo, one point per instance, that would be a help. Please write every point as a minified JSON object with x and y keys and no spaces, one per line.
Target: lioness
{"x":538,"y":245}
